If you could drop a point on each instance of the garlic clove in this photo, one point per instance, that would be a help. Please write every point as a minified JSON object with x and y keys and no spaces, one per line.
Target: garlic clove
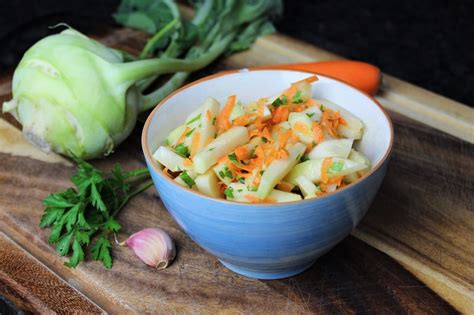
{"x":153,"y":246}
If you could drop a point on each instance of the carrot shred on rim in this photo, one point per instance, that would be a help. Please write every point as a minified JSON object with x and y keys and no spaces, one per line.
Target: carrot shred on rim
{"x":252,"y":198}
{"x":324,"y":170}
{"x":310,"y":79}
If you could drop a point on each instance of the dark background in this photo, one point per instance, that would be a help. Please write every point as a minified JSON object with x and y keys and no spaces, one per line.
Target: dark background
{"x":426,"y":42}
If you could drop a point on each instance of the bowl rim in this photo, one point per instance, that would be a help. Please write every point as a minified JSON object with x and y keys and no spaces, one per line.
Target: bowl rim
{"x":149,"y":158}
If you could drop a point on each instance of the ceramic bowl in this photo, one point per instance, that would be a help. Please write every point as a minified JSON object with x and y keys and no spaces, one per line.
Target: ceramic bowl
{"x":268,"y":241}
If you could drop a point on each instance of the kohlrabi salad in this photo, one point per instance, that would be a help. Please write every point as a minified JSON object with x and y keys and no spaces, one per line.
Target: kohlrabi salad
{"x":275,"y":149}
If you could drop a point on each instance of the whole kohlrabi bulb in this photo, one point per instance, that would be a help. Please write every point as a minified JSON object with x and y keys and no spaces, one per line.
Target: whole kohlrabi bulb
{"x":75,"y":96}
{"x":70,"y":97}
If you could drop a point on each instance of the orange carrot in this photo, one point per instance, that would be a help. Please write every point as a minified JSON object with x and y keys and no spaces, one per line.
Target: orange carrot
{"x":195,"y":143}
{"x":285,"y":186}
{"x":243,"y":120}
{"x":242,"y":153}
{"x":364,"y":76}
{"x":299,"y":108}
{"x":324,"y":170}
{"x":318,"y":133}
{"x":252,"y":198}
{"x":280,"y":114}
{"x":183,"y":136}
{"x":208,"y":115}
{"x":223,"y":122}
{"x":187,"y":162}
{"x":310,"y":79}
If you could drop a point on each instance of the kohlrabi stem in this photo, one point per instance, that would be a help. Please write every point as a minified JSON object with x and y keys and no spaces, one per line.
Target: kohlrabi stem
{"x":205,"y":59}
{"x":151,"y":43}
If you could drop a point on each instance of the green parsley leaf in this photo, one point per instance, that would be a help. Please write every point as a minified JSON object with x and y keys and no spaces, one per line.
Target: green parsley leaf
{"x":225,"y":173}
{"x":252,"y":188}
{"x":233,"y":157}
{"x":214,"y":121}
{"x":336,"y":167}
{"x":304,"y":158}
{"x":297,"y":97}
{"x":77,"y":214}
{"x":182,"y":150}
{"x":264,"y":140}
{"x":194,"y":119}
{"x":190,"y":132}
{"x":310,"y":114}
{"x":280,"y":101}
{"x":229,"y":192}
{"x":187,"y":179}
{"x":321,"y":107}
{"x":101,"y":251}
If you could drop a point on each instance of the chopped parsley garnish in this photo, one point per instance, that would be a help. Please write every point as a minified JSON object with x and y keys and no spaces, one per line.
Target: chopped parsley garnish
{"x":241,"y":179}
{"x":298,"y":157}
{"x":190,"y":132}
{"x":297,"y":98}
{"x":240,"y":190}
{"x":210,"y":149}
{"x":264,"y":140}
{"x":182,"y":150}
{"x":252,"y":153}
{"x":310,"y":114}
{"x":229,"y":192}
{"x":214,"y":121}
{"x":261,"y":172}
{"x":233,"y":158}
{"x":321,"y":107}
{"x":194,"y":119}
{"x":252,"y":188}
{"x":280,"y":101}
{"x":225,"y":173}
{"x":187,"y":179}
{"x":336,"y":167}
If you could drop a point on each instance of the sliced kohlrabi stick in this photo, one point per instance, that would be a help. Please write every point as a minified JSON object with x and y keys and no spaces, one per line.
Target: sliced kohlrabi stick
{"x":302,"y":127}
{"x":208,"y":184}
{"x":187,"y":179}
{"x":252,"y":108}
{"x":207,"y":127}
{"x":307,"y":187}
{"x":331,"y":148}
{"x":174,"y":135}
{"x":312,"y":169}
{"x":222,"y":145}
{"x":170,"y":159}
{"x":223,"y":173}
{"x":359,"y":158}
{"x":278,"y":169}
{"x":313,"y":113}
{"x":244,"y":193}
{"x":354,"y":127}
{"x":237,"y":110}
{"x":303,"y":93}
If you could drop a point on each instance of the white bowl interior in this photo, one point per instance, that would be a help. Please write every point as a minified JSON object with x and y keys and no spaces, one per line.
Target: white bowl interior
{"x":252,"y":85}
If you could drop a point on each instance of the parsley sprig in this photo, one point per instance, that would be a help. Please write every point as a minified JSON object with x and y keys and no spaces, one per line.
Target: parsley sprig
{"x":83,"y":217}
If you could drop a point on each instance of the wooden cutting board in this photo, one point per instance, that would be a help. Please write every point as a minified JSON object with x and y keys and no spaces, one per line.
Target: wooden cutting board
{"x":422,"y":221}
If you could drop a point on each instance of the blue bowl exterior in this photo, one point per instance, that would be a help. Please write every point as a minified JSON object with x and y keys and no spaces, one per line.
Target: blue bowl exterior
{"x":269,"y":241}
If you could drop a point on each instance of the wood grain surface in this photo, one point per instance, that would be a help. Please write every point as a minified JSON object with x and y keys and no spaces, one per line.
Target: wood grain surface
{"x":422,"y":217}
{"x":33,"y":288}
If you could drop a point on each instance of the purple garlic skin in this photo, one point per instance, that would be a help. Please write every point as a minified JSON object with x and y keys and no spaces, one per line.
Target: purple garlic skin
{"x":153,"y":246}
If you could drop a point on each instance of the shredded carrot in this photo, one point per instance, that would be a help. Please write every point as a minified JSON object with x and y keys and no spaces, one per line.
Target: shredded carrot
{"x":309,"y":103}
{"x":243,"y":120}
{"x":318,"y":133}
{"x":270,"y":200}
{"x":195,"y":143}
{"x":310,"y":79}
{"x":336,"y":180}
{"x":283,"y":138}
{"x":261,"y":108}
{"x":223,"y":122}
{"x":280,"y":114}
{"x":299,"y":108}
{"x":324,"y":170}
{"x":330,"y":121}
{"x":208,"y":115}
{"x":259,"y":123}
{"x":242,"y":153}
{"x":282,"y":154}
{"x":252,"y":198}
{"x":187,"y":162}
{"x":285,"y":186}
{"x":183,"y":136}
{"x":342,"y":121}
